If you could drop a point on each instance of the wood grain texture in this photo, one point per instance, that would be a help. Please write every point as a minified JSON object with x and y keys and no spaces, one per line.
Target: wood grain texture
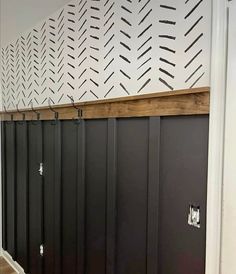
{"x":181,"y":102}
{"x":5,"y":268}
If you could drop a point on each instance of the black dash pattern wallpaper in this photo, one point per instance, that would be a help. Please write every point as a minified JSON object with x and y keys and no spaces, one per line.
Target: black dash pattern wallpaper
{"x":98,"y":49}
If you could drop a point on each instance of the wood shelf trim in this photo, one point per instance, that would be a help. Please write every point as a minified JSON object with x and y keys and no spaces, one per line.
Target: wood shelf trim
{"x":181,"y":102}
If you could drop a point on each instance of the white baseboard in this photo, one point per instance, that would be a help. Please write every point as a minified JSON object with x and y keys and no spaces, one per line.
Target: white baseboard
{"x":13,"y":264}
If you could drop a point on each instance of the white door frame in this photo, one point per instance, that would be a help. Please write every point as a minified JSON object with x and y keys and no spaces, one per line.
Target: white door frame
{"x":216,"y":136}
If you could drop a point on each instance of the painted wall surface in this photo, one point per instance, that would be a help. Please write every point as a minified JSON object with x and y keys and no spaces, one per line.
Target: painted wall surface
{"x":18,"y":16}
{"x":106,"y":49}
{"x":229,"y":196}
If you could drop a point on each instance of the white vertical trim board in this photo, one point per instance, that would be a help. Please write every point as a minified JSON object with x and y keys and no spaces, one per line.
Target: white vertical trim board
{"x":13,"y":264}
{"x":228,"y":263}
{"x":216,"y":136}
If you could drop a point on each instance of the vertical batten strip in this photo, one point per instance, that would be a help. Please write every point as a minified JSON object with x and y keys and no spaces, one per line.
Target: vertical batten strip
{"x":58,"y":199}
{"x":27,"y":198}
{"x":81,"y":197}
{"x":111,"y":196}
{"x":4,"y":204}
{"x":22,"y":205}
{"x":35,"y":195}
{"x":11,"y":196}
{"x":14,"y":191}
{"x":153,"y":195}
{"x":39,"y":154}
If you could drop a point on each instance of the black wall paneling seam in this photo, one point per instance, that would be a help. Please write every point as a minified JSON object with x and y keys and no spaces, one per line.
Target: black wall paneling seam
{"x":48,"y":199}
{"x":57,"y":184}
{"x":4,"y":188}
{"x":51,"y":200}
{"x":35,"y":155}
{"x":22,"y":202}
{"x":111,"y":196}
{"x":153,"y":195}
{"x":41,"y":186}
{"x":81,"y":188}
{"x":10,"y":180}
{"x":69,"y":154}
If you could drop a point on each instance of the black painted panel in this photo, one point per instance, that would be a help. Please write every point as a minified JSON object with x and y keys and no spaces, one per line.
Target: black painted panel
{"x":105,"y":195}
{"x":69,"y":196}
{"x":48,"y":213}
{"x":58,"y":200}
{"x":153,"y":195}
{"x":96,"y":162}
{"x":4,"y":190}
{"x":81,"y":198}
{"x":35,"y":197}
{"x":10,"y":187}
{"x":183,"y":177}
{"x":22,"y":194}
{"x":132,"y":178}
{"x":111,"y":197}
{"x":52,"y":193}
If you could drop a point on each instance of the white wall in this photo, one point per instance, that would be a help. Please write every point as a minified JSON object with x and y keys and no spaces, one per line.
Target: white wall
{"x":19,"y":15}
{"x":95,"y":50}
{"x":229,"y":180}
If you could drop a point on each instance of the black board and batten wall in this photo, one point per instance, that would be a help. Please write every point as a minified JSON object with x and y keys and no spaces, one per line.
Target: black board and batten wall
{"x":113,"y":197}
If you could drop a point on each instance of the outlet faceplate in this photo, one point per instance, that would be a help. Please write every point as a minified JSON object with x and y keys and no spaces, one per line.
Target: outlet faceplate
{"x":194,"y":216}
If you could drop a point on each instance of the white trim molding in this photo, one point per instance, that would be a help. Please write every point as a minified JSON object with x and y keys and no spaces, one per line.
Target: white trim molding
{"x":18,"y":269}
{"x":216,"y":136}
{"x":228,"y":242}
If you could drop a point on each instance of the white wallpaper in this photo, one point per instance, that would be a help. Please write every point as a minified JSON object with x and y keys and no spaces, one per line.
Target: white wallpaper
{"x":96,"y":49}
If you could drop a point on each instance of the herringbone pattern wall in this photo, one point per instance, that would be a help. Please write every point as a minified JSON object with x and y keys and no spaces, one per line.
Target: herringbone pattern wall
{"x":96,"y":49}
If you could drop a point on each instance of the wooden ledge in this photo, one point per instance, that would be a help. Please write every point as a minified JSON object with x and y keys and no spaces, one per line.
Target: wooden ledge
{"x":181,"y":102}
